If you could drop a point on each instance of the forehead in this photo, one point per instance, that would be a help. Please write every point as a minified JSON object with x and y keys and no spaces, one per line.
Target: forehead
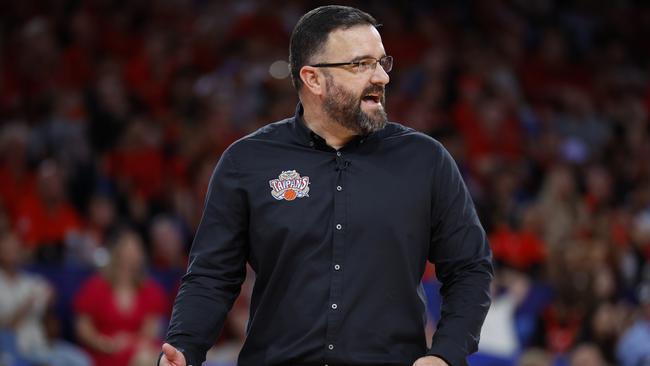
{"x":357,"y":41}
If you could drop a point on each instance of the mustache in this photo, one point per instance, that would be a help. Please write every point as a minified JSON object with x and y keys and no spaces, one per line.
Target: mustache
{"x":374,"y":89}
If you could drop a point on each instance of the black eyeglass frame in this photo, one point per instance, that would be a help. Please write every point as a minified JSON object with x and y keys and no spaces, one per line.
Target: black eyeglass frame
{"x":358,"y":64}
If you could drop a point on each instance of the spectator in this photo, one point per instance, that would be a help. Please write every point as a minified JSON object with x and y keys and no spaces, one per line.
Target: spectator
{"x":522,"y":249}
{"x":16,"y":179}
{"x":535,"y":357}
{"x":586,"y":355}
{"x":168,"y":254}
{"x":59,"y":352}
{"x":101,"y":221}
{"x":603,"y":327}
{"x":499,"y":333}
{"x":559,"y":326}
{"x":559,"y":206}
{"x":23,"y":303}
{"x":46,"y":218}
{"x":632,"y":349}
{"x":119,"y":310}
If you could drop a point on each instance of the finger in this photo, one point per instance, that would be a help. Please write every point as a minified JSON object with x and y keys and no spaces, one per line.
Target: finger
{"x":170,"y":352}
{"x":422,"y":362}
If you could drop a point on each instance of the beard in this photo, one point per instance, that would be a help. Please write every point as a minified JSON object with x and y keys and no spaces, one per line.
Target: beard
{"x":343,"y":107}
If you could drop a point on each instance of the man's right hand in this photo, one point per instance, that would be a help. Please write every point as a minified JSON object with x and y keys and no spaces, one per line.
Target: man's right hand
{"x":171,"y":356}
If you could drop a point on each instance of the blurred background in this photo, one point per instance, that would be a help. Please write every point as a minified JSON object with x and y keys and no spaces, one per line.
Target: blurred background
{"x":113,"y":114}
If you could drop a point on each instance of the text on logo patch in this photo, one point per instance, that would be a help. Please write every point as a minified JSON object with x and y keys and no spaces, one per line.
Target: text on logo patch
{"x":289,"y":186}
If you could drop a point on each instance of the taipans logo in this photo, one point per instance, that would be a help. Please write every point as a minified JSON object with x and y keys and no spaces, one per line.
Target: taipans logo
{"x":289,"y":186}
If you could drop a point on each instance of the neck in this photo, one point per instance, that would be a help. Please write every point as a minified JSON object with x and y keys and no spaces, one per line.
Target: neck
{"x":334,"y":134}
{"x":123,"y":278}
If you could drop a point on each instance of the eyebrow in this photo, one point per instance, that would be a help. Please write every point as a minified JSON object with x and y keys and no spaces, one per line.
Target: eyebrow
{"x":363,"y":57}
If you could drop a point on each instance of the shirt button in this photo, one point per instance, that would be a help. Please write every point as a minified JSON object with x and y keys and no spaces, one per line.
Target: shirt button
{"x":337,"y":267}
{"x":339,"y":188}
{"x":339,"y":226}
{"x":334,"y":306}
{"x":338,"y":153}
{"x":330,"y":347}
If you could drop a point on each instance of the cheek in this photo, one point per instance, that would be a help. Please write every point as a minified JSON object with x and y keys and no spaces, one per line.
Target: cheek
{"x":354,"y":95}
{"x":344,"y":96}
{"x":351,"y":90}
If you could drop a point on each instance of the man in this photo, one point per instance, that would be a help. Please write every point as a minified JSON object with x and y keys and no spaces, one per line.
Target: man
{"x":337,"y":211}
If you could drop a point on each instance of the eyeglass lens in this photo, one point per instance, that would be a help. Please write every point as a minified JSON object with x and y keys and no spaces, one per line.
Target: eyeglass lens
{"x":386,"y":63}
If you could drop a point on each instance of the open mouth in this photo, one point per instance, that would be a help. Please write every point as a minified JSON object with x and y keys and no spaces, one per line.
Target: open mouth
{"x":372,"y":99}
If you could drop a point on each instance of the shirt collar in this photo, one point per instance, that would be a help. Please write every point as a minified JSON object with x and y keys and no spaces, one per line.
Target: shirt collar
{"x":305,"y":135}
{"x":309,"y":138}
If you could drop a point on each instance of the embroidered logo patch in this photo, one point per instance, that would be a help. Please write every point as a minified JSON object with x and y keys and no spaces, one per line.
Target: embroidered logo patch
{"x":289,"y":186}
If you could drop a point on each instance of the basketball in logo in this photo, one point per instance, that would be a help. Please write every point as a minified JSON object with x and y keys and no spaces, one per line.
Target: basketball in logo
{"x":290,"y":195}
{"x":289,"y":186}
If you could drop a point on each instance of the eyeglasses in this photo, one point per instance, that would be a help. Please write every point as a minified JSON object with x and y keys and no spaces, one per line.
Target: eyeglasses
{"x":363,"y":65}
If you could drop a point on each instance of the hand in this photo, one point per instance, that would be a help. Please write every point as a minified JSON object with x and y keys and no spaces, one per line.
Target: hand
{"x":171,"y":356}
{"x":430,"y":361}
{"x":114,"y":344}
{"x":122,"y":341}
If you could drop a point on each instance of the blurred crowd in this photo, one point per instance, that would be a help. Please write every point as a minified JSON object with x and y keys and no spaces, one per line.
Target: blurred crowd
{"x":114,"y":113}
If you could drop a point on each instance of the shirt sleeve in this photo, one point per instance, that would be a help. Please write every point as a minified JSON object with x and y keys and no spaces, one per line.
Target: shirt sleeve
{"x":460,"y":251}
{"x":217,"y":266}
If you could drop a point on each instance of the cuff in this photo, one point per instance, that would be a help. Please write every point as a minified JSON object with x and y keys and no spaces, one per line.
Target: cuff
{"x":448,"y":351}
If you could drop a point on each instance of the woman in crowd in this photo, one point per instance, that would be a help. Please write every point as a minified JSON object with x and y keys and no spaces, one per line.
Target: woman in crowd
{"x":120,"y":310}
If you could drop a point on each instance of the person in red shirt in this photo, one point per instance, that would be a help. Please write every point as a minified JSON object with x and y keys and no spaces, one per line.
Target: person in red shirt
{"x":523,"y":248}
{"x":119,"y":310}
{"x":46,"y":217}
{"x":16,"y":179}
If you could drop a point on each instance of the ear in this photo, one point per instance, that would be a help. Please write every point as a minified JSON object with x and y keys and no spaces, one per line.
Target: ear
{"x":312,"y":79}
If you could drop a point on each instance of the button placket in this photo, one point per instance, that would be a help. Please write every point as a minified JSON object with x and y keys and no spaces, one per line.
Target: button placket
{"x":334,"y":315}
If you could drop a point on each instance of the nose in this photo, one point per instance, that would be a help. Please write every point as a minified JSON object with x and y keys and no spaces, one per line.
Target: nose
{"x":379,"y":76}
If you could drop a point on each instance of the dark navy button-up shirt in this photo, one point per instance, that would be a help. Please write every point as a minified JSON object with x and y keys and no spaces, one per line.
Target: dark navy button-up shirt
{"x":338,"y":240}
